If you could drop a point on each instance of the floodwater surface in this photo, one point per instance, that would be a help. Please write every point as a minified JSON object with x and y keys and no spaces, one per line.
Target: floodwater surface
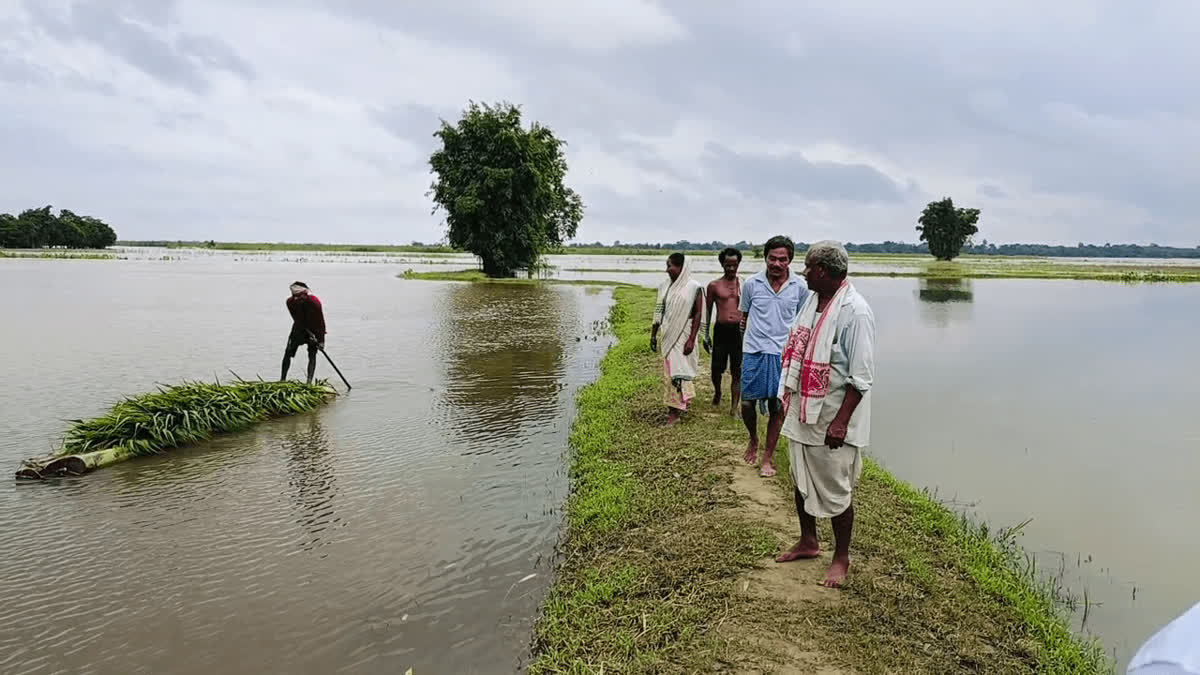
{"x":1066,"y":403}
{"x":400,"y":525}
{"x":410,"y":523}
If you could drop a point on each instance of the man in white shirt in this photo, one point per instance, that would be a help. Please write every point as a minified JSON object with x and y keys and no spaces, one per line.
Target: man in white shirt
{"x":825,"y":388}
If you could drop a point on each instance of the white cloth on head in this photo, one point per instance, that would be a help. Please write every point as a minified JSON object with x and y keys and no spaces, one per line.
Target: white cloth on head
{"x":1173,"y":650}
{"x":826,"y":478}
{"x":673,"y":316}
{"x":297,"y":289}
{"x":851,"y":362}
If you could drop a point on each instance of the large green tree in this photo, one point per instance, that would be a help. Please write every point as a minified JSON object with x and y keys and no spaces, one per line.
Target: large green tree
{"x":947,"y":228}
{"x":35,"y":228}
{"x":501,"y":188}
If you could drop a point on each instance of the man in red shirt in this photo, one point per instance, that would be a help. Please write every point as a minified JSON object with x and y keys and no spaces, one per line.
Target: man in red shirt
{"x":308,"y":327}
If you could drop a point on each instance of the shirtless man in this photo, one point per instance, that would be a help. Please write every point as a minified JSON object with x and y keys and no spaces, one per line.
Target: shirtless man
{"x":726,"y":341}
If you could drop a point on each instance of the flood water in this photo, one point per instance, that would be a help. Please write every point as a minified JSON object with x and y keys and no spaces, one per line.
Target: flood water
{"x":399,"y":525}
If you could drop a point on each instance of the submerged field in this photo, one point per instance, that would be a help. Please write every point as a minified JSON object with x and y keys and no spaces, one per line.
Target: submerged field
{"x":667,"y":562}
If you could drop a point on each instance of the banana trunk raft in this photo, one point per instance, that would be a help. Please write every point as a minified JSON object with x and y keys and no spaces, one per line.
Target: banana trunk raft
{"x":171,"y":417}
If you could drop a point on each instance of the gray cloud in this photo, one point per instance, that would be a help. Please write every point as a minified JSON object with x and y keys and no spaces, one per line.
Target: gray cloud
{"x":791,"y":175}
{"x":993,"y":191}
{"x":118,"y":27}
{"x":683,"y":120}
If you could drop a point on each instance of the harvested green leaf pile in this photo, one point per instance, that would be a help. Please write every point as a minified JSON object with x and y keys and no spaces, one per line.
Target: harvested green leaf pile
{"x":190,"y":413}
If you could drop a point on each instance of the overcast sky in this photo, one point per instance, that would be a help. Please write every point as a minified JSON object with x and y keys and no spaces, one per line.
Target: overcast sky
{"x":311,"y":120}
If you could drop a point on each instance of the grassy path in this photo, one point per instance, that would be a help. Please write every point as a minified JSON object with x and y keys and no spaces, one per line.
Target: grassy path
{"x":667,"y":557}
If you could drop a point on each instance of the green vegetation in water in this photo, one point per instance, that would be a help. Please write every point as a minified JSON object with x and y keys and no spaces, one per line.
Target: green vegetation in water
{"x":189,"y":413}
{"x":658,"y":544}
{"x":36,"y":254}
{"x":283,"y":246}
{"x":478,"y":276}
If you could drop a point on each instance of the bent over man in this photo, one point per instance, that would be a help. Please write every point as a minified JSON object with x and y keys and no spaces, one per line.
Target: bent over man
{"x":825,"y":390}
{"x":308,"y":328}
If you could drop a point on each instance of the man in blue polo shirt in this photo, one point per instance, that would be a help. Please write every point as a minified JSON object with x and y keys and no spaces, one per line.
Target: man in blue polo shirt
{"x":770,"y":301}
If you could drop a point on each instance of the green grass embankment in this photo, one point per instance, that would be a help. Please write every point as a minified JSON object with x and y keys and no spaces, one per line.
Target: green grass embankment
{"x":663,"y":559}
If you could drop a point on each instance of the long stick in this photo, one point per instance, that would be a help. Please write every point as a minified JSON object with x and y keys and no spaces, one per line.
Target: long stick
{"x":335,"y":368}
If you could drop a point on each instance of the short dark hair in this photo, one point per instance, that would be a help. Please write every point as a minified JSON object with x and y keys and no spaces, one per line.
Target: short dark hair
{"x":780,"y":241}
{"x":676,"y":259}
{"x":728,"y":252}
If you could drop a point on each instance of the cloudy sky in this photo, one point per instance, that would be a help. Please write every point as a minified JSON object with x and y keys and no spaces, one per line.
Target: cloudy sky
{"x":311,"y":120}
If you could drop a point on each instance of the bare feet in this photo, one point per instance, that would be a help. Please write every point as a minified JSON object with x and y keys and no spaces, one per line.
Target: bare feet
{"x":672,"y":418}
{"x":752,"y":452}
{"x":717,"y":398}
{"x":803,"y":550}
{"x":838,"y":569}
{"x":767,"y":470}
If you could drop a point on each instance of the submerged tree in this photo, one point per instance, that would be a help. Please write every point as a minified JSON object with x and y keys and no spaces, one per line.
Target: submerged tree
{"x":946,"y":228}
{"x":501,"y":187}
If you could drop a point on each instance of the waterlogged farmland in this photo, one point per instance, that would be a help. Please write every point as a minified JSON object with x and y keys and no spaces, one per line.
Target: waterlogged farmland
{"x":400,"y":524}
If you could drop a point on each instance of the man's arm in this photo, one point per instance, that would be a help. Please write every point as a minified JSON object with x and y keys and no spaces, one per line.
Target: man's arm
{"x":318,"y":319}
{"x":697,"y":314}
{"x":744,"y":304}
{"x":708,"y":315}
{"x":858,"y":339}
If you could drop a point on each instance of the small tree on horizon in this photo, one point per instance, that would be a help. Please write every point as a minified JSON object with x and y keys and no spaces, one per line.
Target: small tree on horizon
{"x":501,"y":187}
{"x":947,"y":229}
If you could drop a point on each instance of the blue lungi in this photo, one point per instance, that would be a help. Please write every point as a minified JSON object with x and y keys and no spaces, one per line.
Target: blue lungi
{"x":760,"y":380}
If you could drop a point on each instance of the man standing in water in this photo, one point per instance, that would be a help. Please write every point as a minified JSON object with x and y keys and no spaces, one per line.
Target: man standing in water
{"x":677,"y":313}
{"x":725,"y":343}
{"x":308,"y":327}
{"x":770,"y":301}
{"x":825,"y":388}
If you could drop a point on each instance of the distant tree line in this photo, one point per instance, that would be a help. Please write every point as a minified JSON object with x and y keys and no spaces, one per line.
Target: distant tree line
{"x":39,"y":228}
{"x":983,"y":248}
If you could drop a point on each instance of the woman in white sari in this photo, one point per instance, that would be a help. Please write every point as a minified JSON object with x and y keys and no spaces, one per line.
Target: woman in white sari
{"x":677,"y":315}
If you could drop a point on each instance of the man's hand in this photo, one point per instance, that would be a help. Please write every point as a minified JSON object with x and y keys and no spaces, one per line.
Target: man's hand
{"x":321,"y":345}
{"x":689,"y":346}
{"x":835,"y":437}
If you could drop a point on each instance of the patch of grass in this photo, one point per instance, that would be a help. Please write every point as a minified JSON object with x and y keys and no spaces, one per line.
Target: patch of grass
{"x":285,"y":246}
{"x":477,"y":276}
{"x":981,"y":268}
{"x":56,"y":255}
{"x":655,"y":540}
{"x":189,"y":413}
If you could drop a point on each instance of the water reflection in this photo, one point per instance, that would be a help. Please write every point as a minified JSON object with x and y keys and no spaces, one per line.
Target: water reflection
{"x":945,"y":301}
{"x":503,"y":350}
{"x":312,"y":484}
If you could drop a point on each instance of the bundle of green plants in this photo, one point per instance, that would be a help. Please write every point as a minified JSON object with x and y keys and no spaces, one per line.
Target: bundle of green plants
{"x":189,"y":413}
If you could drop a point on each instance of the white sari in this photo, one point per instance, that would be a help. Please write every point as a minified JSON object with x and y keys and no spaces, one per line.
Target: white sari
{"x":673,"y":316}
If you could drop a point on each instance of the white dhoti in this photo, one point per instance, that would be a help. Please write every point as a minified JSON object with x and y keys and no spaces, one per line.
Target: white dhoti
{"x":824,"y":477}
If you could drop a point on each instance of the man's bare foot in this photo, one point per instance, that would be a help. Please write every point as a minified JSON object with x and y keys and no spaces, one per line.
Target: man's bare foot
{"x":752,"y":452}
{"x":717,"y":398}
{"x":767,"y":470}
{"x":803,"y":550}
{"x":838,"y":569}
{"x":672,"y":418}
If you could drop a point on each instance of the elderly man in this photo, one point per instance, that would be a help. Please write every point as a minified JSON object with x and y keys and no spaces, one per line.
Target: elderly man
{"x":770,"y":300}
{"x":825,"y":390}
